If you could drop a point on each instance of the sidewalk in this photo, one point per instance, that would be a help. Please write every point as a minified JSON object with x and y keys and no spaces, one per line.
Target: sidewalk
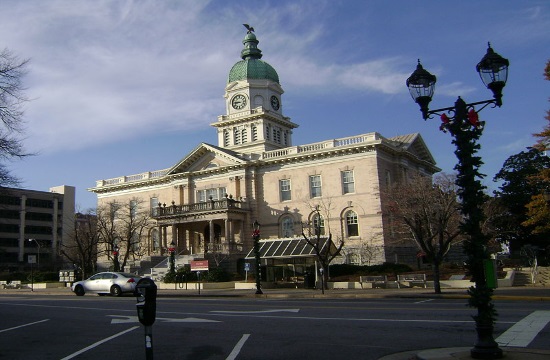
{"x":509,"y":293}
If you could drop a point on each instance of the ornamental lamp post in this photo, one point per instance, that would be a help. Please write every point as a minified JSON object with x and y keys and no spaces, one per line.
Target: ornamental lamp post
{"x":116,"y":264}
{"x":258,"y":268}
{"x":462,"y":122}
{"x":172,"y":258}
{"x":38,"y":248}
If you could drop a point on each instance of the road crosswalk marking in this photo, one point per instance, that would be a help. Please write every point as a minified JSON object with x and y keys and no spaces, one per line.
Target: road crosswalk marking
{"x":523,"y":332}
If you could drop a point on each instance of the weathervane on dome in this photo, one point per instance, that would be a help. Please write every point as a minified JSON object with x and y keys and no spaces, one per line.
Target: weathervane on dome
{"x":249,"y":28}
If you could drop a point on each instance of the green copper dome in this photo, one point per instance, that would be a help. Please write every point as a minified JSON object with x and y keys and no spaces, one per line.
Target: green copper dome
{"x":251,"y":66}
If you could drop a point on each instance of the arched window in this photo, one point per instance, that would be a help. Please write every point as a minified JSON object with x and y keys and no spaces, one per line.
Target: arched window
{"x":156,"y":239}
{"x":352,"y":226}
{"x":287,"y":227}
{"x":236,"y":136}
{"x":226,"y":138}
{"x":354,"y":259}
{"x":318,"y":224}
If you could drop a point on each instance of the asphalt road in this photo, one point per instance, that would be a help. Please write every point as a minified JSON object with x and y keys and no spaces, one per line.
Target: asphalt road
{"x":92,"y":327}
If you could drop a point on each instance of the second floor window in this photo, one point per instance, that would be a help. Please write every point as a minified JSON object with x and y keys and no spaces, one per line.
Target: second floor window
{"x":348,"y":182}
{"x":214,"y":193}
{"x":284,"y":188}
{"x":315,"y":186}
{"x":154,"y":203}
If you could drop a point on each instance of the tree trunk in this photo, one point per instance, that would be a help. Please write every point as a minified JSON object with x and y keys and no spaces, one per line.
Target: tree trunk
{"x":437,"y":285}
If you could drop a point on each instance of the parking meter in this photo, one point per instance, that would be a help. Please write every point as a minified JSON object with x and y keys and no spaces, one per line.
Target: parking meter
{"x":146,"y":293}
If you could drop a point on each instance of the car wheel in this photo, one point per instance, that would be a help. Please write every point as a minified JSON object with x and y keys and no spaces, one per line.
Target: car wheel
{"x":79,"y":290}
{"x":116,"y":290}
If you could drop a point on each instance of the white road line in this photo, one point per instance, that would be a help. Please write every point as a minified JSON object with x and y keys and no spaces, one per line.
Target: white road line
{"x":422,"y":301}
{"x":20,"y":326}
{"x":99,"y":343}
{"x":523,"y":332}
{"x":255,"y":311}
{"x":238,"y":347}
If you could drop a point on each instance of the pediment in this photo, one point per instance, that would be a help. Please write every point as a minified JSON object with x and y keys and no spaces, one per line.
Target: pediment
{"x":414,"y":144}
{"x":206,"y":157}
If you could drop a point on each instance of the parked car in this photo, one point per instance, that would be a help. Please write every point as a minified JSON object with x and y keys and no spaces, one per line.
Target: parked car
{"x":114,"y":283}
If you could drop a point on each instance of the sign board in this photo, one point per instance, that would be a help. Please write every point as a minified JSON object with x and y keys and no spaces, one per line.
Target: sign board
{"x":32,"y":259}
{"x":199,"y":265}
{"x":246,"y":266}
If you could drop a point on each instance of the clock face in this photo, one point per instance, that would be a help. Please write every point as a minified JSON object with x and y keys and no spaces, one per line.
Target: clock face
{"x":274,"y":103}
{"x":238,"y":102}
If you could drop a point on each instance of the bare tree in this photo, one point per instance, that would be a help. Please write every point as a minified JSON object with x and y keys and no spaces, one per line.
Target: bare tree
{"x":322,"y":245}
{"x":428,"y":214}
{"x":82,"y":247}
{"x":121,"y":227}
{"x":12,"y":98}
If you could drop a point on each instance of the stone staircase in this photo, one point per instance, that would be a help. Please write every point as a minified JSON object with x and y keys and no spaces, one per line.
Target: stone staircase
{"x":149,"y":262}
{"x":523,"y":277}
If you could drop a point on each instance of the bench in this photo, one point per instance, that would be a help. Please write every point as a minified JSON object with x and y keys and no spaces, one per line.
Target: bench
{"x":411,"y":280}
{"x":15,"y":284}
{"x":374,"y":281}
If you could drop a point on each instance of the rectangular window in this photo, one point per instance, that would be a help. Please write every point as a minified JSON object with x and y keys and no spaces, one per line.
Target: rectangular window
{"x":133,"y":209}
{"x":201,"y":196}
{"x":214,"y":194}
{"x":284,"y":189}
{"x":348,"y":182}
{"x":315,"y":186}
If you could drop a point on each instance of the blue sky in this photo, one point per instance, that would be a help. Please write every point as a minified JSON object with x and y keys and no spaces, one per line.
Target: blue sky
{"x":123,"y":87}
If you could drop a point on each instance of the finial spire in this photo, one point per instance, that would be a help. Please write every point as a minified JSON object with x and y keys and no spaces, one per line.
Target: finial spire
{"x":249,"y":28}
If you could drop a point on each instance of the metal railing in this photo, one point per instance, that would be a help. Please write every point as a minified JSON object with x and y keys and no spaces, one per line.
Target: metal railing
{"x":211,"y":205}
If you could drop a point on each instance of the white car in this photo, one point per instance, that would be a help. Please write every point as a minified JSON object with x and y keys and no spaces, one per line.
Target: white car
{"x":114,"y":283}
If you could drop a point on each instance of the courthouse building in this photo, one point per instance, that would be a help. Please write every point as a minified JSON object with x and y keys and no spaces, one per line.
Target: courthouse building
{"x":207,"y":202}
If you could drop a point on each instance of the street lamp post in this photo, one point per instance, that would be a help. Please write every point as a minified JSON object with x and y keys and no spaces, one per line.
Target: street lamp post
{"x":38,"y":252}
{"x":116,"y":264}
{"x":256,"y":238}
{"x":462,"y":122}
{"x":172,"y":252}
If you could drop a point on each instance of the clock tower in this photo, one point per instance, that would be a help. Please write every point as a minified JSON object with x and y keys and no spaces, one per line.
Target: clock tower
{"x":254,"y":121}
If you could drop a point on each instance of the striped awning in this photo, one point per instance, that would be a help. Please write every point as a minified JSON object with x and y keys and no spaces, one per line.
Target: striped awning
{"x":290,"y":248}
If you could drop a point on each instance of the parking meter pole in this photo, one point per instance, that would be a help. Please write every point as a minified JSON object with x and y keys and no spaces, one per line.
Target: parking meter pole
{"x":148,"y":342}
{"x":146,"y":294}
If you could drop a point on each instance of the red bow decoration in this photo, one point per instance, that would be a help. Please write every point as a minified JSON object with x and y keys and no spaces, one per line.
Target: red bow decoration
{"x":445,"y":119}
{"x":473,"y":118}
{"x":256,"y":233}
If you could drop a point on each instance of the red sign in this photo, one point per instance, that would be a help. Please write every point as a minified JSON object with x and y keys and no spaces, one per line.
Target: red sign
{"x":199,"y":265}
